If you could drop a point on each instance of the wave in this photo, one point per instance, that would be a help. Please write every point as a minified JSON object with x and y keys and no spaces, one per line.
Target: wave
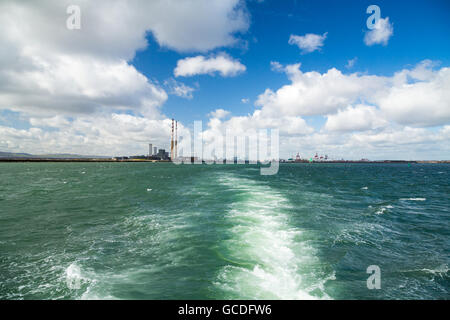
{"x":262,"y":261}
{"x":383,"y":209}
{"x":82,"y":283}
{"x":441,"y":272}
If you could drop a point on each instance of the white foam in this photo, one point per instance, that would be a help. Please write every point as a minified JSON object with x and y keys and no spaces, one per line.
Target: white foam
{"x":263,"y":243}
{"x":149,"y":189}
{"x":82,"y":283}
{"x":73,"y":277}
{"x":364,"y":188}
{"x":383,"y":209}
{"x":440,"y":271}
{"x":413,"y":199}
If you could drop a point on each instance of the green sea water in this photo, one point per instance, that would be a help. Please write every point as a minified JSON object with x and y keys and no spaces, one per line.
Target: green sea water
{"x":162,"y":231}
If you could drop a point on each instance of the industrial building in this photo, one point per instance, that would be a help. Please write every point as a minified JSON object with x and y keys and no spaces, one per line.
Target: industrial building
{"x":161,"y":154}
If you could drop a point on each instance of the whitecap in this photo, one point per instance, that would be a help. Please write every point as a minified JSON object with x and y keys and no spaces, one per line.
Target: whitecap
{"x":440,"y":271}
{"x":73,"y":277}
{"x":383,"y":209}
{"x":79,"y":281}
{"x":413,"y":199}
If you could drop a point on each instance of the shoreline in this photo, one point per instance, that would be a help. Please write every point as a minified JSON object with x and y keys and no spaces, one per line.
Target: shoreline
{"x":75,"y":160}
{"x":168,"y":161}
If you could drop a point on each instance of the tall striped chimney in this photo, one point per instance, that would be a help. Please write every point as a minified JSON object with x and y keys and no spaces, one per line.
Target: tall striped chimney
{"x":176,"y":139}
{"x":171,"y":143}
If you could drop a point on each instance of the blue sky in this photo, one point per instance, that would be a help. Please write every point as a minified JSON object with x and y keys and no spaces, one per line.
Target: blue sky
{"x":311,"y":69}
{"x":421,"y":29}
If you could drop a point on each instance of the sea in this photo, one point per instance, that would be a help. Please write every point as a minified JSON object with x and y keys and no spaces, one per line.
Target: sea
{"x":166,"y":231}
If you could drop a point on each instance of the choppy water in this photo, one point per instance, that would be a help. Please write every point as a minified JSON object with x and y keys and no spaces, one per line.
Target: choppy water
{"x":161,"y":231}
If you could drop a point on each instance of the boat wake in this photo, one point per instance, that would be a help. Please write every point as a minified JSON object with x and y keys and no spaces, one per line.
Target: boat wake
{"x":263,"y":253}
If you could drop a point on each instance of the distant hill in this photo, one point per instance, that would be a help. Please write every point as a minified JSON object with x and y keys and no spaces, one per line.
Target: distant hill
{"x":15,"y":155}
{"x":48,"y":156}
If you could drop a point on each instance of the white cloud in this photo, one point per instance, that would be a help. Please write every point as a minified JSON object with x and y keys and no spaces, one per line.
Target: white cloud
{"x":222,"y":63}
{"x":53,"y":122}
{"x":245,"y":100}
{"x":248,"y":126}
{"x":196,"y":25}
{"x":417,"y":97}
{"x":179,"y":89}
{"x":70,"y":85}
{"x":45,"y":67}
{"x":51,"y":74}
{"x":420,"y":102}
{"x":118,"y":27}
{"x":104,"y":134}
{"x":276,"y":66}
{"x":362,"y":120}
{"x":219,"y":113}
{"x":309,"y":42}
{"x":381,"y":33}
{"x":391,"y":142}
{"x":351,"y":63}
{"x":312,"y":93}
{"x":81,"y":85}
{"x":358,"y":118}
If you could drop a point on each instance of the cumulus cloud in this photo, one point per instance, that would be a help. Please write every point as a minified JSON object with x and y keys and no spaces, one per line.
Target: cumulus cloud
{"x":45,"y":66}
{"x":89,"y":135}
{"x":57,"y":121}
{"x":380,"y":34}
{"x":420,"y":102}
{"x":71,"y":85}
{"x":358,"y":118}
{"x":179,"y":89}
{"x":416,"y":97}
{"x":309,"y":42}
{"x":361,"y":120}
{"x":259,"y":119}
{"x":222,"y":63}
{"x":245,"y":100}
{"x":201,"y":25}
{"x":51,"y":74}
{"x":79,"y":93}
{"x":391,"y":142}
{"x":219,"y":113}
{"x":249,"y":126}
{"x":118,"y":27}
{"x":313,"y":93}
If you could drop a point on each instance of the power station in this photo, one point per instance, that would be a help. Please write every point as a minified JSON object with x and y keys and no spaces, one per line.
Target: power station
{"x":160,"y":154}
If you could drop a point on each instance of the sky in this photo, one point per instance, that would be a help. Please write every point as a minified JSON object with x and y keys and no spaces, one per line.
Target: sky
{"x":328,"y":79}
